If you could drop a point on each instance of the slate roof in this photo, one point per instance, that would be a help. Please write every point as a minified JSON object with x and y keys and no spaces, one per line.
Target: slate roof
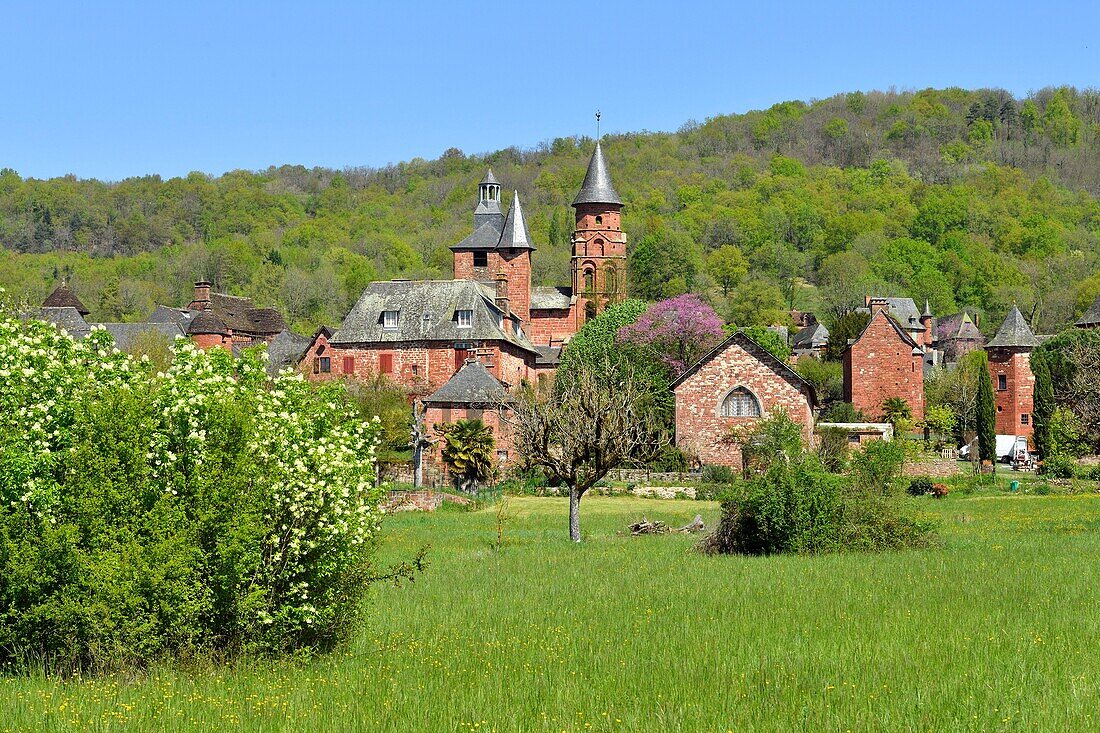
{"x":485,"y":236}
{"x":472,"y":384}
{"x":551,"y":298}
{"x":742,"y":339}
{"x":125,"y":334}
{"x":904,"y":310}
{"x":515,"y":234}
{"x":242,"y":315}
{"x":597,"y":188}
{"x":286,"y":350}
{"x":65,"y":317}
{"x":811,"y":337}
{"x":63,"y":297}
{"x":549,"y":356}
{"x":165,"y":314}
{"x":1091,"y":317}
{"x":509,"y":232}
{"x":207,"y":322}
{"x":1014,"y":332}
{"x":490,"y":179}
{"x":427,"y":311}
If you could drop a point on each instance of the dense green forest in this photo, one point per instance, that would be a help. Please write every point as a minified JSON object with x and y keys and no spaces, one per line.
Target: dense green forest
{"x":969,"y":198}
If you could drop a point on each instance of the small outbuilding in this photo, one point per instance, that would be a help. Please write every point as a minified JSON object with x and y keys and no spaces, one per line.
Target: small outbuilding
{"x":737,"y":384}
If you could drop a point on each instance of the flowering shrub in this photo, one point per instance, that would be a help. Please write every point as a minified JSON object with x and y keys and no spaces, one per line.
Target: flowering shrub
{"x":204,"y":510}
{"x":680,"y":330}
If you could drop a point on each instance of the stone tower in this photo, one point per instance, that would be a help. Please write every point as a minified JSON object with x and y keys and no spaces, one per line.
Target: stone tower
{"x":598,"y":266}
{"x":1010,"y":369}
{"x":511,"y":261}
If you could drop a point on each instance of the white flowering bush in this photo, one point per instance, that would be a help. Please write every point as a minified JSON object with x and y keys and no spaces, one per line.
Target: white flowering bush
{"x":208,"y":509}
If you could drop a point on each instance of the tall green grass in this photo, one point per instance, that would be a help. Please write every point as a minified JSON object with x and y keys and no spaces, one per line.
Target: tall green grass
{"x":998,"y":630}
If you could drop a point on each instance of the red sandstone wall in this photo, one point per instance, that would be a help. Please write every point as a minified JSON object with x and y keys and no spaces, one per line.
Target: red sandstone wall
{"x":881,"y":365}
{"x":552,"y":327}
{"x":1018,"y":397}
{"x":451,"y":413}
{"x":701,"y":430}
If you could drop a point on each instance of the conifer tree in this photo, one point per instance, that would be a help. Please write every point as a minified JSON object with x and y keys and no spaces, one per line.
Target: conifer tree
{"x":1043,"y":407}
{"x":987,"y":413}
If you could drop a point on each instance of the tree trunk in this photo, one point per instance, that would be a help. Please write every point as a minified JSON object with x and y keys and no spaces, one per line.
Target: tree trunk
{"x":574,"y":514}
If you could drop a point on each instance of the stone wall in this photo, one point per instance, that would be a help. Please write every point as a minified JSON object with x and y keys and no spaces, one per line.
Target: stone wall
{"x":425,"y":500}
{"x":552,"y":326}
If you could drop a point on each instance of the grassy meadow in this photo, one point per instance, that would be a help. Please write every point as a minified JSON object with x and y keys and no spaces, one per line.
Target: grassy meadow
{"x":997,"y":630}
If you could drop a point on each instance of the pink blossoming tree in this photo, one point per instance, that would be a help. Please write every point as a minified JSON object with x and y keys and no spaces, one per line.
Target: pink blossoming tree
{"x":679,"y":330}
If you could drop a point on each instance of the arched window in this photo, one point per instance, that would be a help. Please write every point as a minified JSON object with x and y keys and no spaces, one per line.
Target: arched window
{"x":589,"y":280}
{"x":599,"y":219}
{"x":589,"y":311}
{"x":611,"y":280}
{"x":740,"y":403}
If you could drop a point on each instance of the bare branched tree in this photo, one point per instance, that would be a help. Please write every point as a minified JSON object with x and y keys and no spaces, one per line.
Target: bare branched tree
{"x":1084,"y":387}
{"x":601,"y":419}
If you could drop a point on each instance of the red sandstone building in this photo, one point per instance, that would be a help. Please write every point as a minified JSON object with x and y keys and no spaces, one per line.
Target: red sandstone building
{"x":420,"y":333}
{"x":736,"y":384}
{"x":886,"y":361}
{"x":1010,"y":369}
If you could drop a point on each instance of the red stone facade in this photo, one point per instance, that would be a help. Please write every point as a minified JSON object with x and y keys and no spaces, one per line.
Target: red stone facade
{"x":552,"y":326}
{"x":513,"y":264}
{"x":207,"y":341}
{"x":421,"y":367}
{"x":447,"y":413}
{"x":1013,"y":385}
{"x":598,"y":265}
{"x":880,"y":365}
{"x":703,"y":432}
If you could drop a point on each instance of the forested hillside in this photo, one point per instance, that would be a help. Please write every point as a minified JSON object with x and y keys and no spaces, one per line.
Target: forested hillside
{"x":968,"y":198}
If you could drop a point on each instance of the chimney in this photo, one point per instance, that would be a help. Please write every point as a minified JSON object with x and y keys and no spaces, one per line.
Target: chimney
{"x":201,"y":299}
{"x":877,"y":305}
{"x":502,"y":301}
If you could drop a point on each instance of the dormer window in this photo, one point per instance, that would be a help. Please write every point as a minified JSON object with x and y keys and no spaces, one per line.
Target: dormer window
{"x":464,"y":318}
{"x":389,"y":320}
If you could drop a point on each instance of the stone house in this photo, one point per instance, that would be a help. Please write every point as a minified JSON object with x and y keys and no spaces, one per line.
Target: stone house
{"x":810,"y":340}
{"x":473,"y":393}
{"x":737,"y":384}
{"x":220,"y":320}
{"x":957,"y":335}
{"x":885,"y":361}
{"x":420,"y":333}
{"x":1010,"y":369}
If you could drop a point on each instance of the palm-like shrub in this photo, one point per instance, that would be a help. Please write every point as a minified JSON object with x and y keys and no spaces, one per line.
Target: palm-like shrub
{"x":468,"y":452}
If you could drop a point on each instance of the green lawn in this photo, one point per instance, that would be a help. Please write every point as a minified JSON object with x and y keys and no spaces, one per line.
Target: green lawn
{"x":999,"y":629}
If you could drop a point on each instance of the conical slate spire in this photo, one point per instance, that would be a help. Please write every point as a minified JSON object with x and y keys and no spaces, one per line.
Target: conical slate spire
{"x":1014,"y":332}
{"x":490,"y":179}
{"x":927,"y":309}
{"x":597,"y":188}
{"x":515,"y":234}
{"x":63,"y":297}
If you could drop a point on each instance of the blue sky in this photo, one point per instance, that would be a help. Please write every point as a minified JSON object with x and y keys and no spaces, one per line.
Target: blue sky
{"x":113,"y":89}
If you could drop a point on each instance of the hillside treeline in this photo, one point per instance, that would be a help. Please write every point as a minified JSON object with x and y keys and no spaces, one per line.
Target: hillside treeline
{"x":968,"y":198}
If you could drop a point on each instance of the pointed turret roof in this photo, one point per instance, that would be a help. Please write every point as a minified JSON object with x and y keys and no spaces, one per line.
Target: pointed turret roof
{"x":1091,"y":318}
{"x":63,"y":297}
{"x":515,"y":234}
{"x":597,"y":188}
{"x":927,"y":310}
{"x":490,"y":179}
{"x":1014,"y":332}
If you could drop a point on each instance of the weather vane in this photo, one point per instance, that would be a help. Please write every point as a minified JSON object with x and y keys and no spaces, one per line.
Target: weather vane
{"x":597,"y":124}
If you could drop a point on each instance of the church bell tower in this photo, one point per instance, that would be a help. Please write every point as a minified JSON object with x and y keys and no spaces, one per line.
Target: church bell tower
{"x":598,"y":265}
